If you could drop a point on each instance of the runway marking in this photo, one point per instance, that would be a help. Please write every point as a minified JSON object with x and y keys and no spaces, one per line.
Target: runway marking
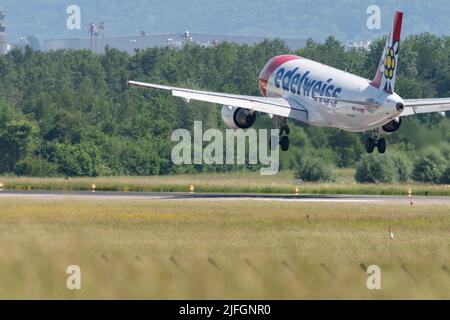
{"x":82,"y":197}
{"x":281,"y":199}
{"x":152,"y":196}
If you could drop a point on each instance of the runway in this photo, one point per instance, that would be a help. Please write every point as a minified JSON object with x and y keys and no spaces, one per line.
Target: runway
{"x":60,"y":195}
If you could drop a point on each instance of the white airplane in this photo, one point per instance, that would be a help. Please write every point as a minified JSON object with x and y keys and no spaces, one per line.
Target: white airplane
{"x":293,"y":87}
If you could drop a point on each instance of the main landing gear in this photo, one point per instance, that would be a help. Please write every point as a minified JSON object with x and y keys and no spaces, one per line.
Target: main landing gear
{"x":284,"y":135}
{"x":375,"y":141}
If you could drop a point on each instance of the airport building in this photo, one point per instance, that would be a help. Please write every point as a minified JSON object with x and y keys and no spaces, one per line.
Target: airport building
{"x":4,"y":46}
{"x":98,"y":42}
{"x":355,"y":45}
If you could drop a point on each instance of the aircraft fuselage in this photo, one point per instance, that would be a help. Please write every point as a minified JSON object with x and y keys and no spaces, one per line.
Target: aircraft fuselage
{"x":328,"y":94}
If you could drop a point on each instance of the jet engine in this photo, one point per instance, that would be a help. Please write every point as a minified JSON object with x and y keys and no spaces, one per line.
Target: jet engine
{"x":238,"y":118}
{"x":392,"y":126}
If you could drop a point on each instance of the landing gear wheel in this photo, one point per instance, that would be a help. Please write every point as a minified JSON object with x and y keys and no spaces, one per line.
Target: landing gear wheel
{"x":381,"y":145}
{"x":370,"y":145}
{"x":284,"y":143}
{"x":285,"y":130}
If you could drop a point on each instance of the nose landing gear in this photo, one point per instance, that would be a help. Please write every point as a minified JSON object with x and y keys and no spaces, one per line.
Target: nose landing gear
{"x":284,"y":135}
{"x":375,"y":141}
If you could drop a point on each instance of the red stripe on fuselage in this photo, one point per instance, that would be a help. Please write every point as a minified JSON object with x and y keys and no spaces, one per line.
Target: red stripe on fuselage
{"x":270,"y":67}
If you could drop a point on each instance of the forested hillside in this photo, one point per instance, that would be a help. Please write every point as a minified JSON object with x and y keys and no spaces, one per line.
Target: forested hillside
{"x":345,"y":19}
{"x":69,"y":113}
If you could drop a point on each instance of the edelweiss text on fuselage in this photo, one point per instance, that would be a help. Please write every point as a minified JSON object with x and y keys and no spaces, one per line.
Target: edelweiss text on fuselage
{"x":294,"y":82}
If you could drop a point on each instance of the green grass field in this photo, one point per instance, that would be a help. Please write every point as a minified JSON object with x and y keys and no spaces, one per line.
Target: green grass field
{"x":198,"y":249}
{"x":282,"y":183}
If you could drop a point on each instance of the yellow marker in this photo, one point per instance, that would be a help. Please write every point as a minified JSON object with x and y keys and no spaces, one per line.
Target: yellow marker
{"x":1,"y":186}
{"x":94,"y":188}
{"x":297,"y":191}
{"x":192,"y":188}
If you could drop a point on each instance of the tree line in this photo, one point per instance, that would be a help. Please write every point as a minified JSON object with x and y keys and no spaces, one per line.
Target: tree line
{"x":70,"y":113}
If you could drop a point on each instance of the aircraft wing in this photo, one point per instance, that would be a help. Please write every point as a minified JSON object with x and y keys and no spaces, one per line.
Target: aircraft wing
{"x":416,"y":106}
{"x":273,"y":106}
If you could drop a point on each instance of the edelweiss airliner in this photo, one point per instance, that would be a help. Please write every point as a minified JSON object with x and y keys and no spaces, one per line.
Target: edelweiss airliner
{"x":296,"y":88}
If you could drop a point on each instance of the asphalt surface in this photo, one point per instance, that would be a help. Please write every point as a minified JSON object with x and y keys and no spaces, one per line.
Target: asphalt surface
{"x":51,"y":195}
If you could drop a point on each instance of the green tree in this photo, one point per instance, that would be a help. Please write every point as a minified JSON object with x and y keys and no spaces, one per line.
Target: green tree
{"x":18,"y":138}
{"x":376,"y":168}
{"x":430,"y":168}
{"x":315,"y":170}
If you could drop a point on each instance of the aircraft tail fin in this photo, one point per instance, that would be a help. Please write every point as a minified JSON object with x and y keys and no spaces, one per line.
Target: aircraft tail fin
{"x":387,"y":70}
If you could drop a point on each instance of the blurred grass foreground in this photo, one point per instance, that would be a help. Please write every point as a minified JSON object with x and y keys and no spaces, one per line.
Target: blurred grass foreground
{"x":202,"y":249}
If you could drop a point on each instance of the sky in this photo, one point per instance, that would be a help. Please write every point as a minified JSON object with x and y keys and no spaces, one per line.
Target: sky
{"x":318,"y":19}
